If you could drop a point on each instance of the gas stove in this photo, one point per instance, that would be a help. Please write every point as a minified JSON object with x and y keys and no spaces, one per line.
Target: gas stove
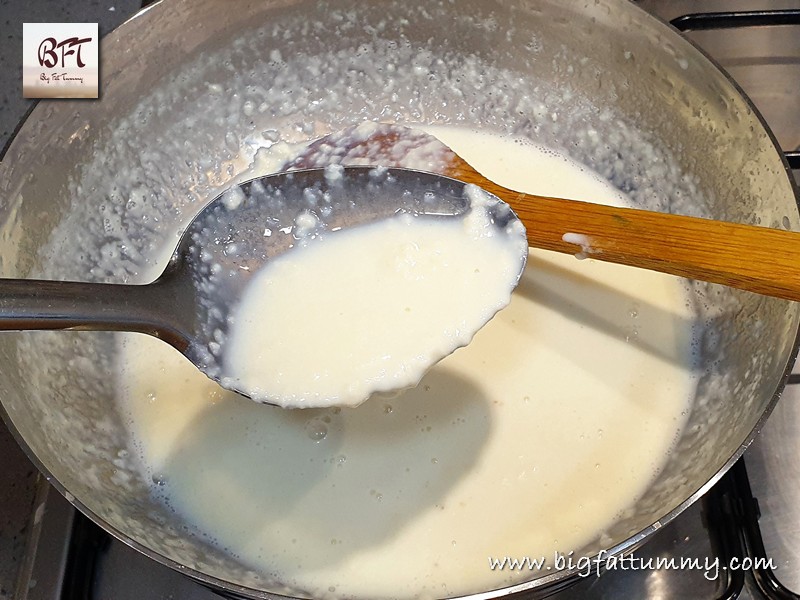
{"x":741,"y":540}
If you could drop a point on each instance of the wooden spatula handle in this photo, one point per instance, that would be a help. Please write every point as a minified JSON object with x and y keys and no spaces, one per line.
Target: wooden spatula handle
{"x":758,"y":259}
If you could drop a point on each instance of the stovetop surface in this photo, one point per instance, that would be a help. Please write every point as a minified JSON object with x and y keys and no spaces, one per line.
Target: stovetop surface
{"x":765,"y":61}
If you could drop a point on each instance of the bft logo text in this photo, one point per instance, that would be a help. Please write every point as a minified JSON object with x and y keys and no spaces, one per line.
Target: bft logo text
{"x":48,"y":57}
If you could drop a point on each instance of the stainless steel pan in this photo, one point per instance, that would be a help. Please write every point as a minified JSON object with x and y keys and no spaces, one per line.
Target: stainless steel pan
{"x":191,"y":87}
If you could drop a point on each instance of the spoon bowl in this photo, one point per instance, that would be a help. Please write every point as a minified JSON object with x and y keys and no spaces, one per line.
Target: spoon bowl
{"x":190,"y":304}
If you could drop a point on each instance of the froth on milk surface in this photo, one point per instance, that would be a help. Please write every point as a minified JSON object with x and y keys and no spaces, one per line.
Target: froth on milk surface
{"x":531,"y":439}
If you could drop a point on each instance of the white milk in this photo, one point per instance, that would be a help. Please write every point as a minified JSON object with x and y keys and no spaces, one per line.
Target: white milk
{"x":531,"y":439}
{"x":370,"y":309}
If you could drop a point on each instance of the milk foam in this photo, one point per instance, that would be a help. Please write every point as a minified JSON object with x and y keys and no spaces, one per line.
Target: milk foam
{"x":531,"y":439}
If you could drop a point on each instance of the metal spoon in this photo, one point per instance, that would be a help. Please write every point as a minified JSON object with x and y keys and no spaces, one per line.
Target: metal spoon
{"x":233,"y":236}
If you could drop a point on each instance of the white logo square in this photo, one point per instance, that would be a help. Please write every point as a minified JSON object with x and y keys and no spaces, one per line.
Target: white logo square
{"x":60,"y":60}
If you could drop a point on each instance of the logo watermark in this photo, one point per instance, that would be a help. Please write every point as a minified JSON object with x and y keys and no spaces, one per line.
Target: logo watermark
{"x":585,"y":566}
{"x":60,"y":60}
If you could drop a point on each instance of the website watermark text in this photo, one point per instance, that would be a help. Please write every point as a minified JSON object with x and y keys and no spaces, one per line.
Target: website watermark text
{"x":585,"y":566}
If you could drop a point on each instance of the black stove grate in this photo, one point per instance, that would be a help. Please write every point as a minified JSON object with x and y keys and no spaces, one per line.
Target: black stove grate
{"x":730,"y":20}
{"x":733,"y":515}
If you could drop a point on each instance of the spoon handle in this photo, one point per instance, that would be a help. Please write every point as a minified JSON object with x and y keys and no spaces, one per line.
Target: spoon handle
{"x":748,"y":257}
{"x":757,"y":259}
{"x":38,"y":304}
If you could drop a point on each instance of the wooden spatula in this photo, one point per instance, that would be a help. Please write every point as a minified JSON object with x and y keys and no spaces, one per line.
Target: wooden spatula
{"x":757,"y":259}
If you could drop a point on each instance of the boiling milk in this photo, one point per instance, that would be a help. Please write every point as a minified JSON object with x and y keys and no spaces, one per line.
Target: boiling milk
{"x":531,"y":439}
